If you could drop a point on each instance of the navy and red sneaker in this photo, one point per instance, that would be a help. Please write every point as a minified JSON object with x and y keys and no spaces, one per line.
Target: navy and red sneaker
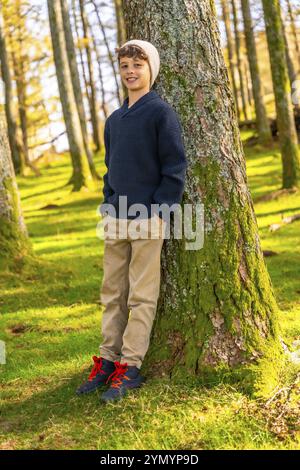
{"x":123,"y":378}
{"x":99,"y":375}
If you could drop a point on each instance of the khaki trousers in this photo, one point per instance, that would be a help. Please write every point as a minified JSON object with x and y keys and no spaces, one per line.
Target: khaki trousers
{"x":130,"y":289}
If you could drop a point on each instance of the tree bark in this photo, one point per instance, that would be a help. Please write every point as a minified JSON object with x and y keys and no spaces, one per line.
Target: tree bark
{"x":216,"y":306}
{"x":282,"y":91}
{"x":81,"y":171}
{"x":263,"y":128}
{"x":14,"y":242}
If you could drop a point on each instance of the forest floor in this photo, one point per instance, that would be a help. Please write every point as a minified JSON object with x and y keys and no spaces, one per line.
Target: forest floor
{"x":51,"y":321}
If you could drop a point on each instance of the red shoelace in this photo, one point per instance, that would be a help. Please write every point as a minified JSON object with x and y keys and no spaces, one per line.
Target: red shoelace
{"x":97,"y":368}
{"x":118,"y":374}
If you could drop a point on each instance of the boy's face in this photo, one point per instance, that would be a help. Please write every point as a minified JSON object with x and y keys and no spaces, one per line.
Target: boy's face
{"x":138,"y":69}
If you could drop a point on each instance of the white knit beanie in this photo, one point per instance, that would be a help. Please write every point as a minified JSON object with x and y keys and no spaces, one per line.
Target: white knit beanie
{"x":152,"y":54}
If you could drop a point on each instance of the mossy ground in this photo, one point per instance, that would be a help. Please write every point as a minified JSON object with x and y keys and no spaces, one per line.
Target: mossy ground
{"x":51,"y":324}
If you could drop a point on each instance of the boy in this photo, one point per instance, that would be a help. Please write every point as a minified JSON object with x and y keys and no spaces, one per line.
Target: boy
{"x":146,"y":163}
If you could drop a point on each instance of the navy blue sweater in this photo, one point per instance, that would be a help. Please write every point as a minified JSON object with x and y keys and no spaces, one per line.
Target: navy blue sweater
{"x":144,"y":155}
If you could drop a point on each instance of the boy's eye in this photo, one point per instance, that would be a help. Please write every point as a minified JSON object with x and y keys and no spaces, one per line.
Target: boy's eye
{"x":124,"y":66}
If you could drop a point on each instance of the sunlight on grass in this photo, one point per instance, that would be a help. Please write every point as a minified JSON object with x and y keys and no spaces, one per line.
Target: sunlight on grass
{"x":51,"y":323}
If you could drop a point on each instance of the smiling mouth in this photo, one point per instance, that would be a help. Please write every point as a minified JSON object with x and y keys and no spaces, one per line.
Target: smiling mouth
{"x":131,"y":79}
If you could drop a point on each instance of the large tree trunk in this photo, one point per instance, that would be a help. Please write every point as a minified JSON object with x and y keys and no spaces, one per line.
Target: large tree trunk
{"x":14,"y":143}
{"x":81,"y":171}
{"x":263,"y":128}
{"x":14,"y":242}
{"x":76,"y":84}
{"x":230,"y":47}
{"x":217,"y":305}
{"x":282,"y":91}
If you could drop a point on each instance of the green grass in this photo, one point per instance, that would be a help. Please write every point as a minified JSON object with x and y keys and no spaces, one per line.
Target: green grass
{"x":51,"y":323}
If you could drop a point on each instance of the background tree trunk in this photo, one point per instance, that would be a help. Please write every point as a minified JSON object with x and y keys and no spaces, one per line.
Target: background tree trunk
{"x":290,"y":65}
{"x":239,"y":60}
{"x":81,"y":171}
{"x":217,"y":305}
{"x":15,"y":146}
{"x":91,"y":82}
{"x":294,"y":30}
{"x":109,"y":53}
{"x":282,"y":91}
{"x":76,"y":84}
{"x":263,"y":128}
{"x":14,"y":242}
{"x":121,"y":32}
{"x":230,"y":47}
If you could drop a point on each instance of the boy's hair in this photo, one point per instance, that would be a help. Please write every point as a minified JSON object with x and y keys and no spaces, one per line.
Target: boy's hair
{"x":133,"y":51}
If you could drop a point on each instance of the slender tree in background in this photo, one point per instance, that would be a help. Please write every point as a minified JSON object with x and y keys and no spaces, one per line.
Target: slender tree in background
{"x":262,"y":124}
{"x":294,"y":29}
{"x":230,"y":47}
{"x":282,"y":91}
{"x":111,"y":57}
{"x":20,"y":62}
{"x":76,"y":83}
{"x":248,"y":81}
{"x":14,"y":143}
{"x":14,"y":242}
{"x":217,"y":305}
{"x":92,"y":95}
{"x":79,"y":46}
{"x":239,"y":59}
{"x":81,"y":176}
{"x":291,"y":69}
{"x":100,"y":75}
{"x":121,"y":32}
